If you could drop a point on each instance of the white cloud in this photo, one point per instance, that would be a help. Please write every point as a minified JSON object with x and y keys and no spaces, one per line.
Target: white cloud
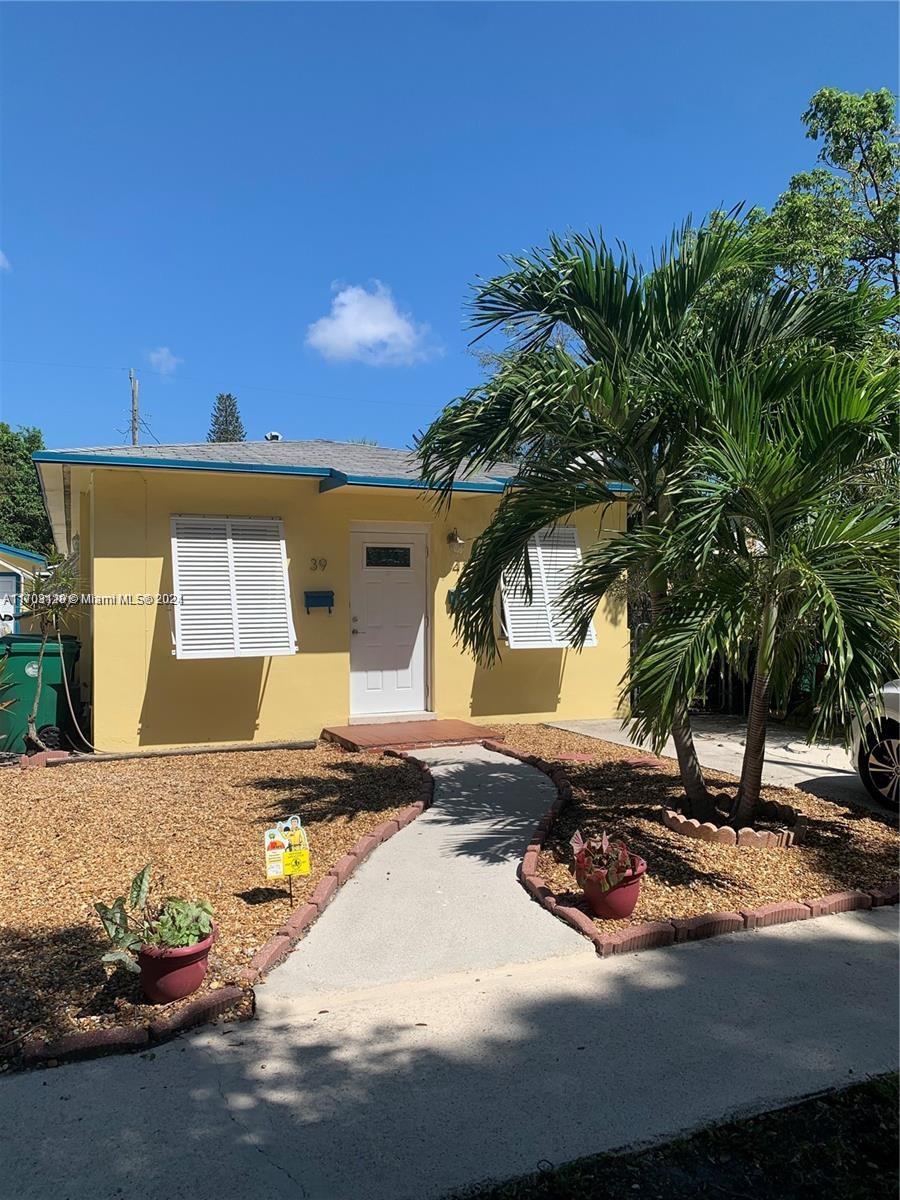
{"x":163,"y":360}
{"x":367,"y":326}
{"x":5,"y":264}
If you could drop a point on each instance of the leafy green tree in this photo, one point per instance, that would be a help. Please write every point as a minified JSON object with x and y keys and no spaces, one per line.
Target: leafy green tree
{"x":837,"y":226}
{"x":768,"y":548}
{"x":585,"y":399}
{"x":23,"y":520}
{"x":225,"y":424}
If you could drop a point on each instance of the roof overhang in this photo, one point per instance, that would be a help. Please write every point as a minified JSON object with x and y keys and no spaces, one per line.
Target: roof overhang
{"x":54,"y":480}
{"x":53,"y":467}
{"x":330,"y":476}
{"x":31,"y":555}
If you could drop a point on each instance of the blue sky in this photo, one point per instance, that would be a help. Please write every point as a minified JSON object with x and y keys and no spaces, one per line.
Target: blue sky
{"x":290,"y":201}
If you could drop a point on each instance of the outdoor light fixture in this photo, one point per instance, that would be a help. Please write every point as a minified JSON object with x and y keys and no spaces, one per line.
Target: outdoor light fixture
{"x":453,"y":539}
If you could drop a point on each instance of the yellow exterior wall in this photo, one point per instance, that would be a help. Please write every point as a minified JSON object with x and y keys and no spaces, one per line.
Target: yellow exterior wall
{"x":144,"y":697}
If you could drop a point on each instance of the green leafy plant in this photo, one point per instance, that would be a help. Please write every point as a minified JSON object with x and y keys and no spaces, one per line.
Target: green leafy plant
{"x":170,"y":923}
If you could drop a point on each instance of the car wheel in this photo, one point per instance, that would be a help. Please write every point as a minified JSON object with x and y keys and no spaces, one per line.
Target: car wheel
{"x":879,"y":763}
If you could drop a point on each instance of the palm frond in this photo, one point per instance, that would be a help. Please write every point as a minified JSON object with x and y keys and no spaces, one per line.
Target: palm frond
{"x":602,"y":566}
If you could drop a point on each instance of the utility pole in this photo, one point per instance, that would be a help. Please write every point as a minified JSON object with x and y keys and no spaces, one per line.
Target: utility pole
{"x":135,"y":410}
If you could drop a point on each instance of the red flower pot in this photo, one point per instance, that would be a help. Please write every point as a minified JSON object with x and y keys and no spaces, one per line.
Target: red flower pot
{"x":172,"y":973}
{"x":620,"y":900}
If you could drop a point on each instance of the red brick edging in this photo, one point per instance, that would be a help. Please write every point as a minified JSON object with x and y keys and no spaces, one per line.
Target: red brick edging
{"x":116,"y":1039}
{"x":663,"y":933}
{"x":206,"y":1008}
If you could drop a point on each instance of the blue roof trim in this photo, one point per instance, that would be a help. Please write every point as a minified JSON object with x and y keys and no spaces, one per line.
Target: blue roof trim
{"x":330,"y":477}
{"x":29,"y":554}
{"x":176,"y":464}
{"x":340,"y":479}
{"x":335,"y":480}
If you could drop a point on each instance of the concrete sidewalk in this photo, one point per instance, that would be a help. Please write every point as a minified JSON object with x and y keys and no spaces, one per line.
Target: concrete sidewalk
{"x":437,"y":1028}
{"x":822,"y":769}
{"x":403,"y":1092}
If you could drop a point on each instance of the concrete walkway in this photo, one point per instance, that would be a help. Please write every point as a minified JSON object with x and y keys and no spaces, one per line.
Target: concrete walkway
{"x":436,"y":1029}
{"x":823,"y":769}
{"x":442,"y":895}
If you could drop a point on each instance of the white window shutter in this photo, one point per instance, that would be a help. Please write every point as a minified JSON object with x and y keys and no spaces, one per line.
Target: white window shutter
{"x":201,"y":577}
{"x":230,"y":577}
{"x":560,"y":555}
{"x":553,"y":554}
{"x":527,"y":624}
{"x":262,"y":591}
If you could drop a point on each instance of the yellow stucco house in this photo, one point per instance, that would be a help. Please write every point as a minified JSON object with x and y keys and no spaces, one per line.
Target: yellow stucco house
{"x":259,"y":591}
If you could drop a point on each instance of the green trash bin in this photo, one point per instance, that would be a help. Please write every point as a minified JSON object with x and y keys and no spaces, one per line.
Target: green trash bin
{"x":18,"y":681}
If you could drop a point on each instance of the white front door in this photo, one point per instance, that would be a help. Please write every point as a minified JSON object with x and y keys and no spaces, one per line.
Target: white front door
{"x":387,"y":622}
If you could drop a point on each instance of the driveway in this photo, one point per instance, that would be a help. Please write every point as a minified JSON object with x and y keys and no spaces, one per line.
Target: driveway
{"x":823,"y":769}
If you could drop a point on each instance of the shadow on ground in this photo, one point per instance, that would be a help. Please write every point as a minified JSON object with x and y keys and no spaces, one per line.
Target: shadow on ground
{"x":368,"y":1105}
{"x":44,"y":973}
{"x":490,"y":815}
{"x":341,"y":789}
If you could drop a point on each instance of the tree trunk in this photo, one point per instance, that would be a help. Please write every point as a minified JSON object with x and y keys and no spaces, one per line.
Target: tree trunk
{"x":702,"y":803}
{"x":746,"y":802}
{"x":31,"y":733}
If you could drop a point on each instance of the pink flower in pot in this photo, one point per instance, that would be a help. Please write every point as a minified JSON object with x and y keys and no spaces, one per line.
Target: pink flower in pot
{"x":608,"y":874}
{"x":167,"y":943}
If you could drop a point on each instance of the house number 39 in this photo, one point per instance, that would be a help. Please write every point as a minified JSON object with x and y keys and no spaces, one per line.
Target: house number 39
{"x":318,"y":564}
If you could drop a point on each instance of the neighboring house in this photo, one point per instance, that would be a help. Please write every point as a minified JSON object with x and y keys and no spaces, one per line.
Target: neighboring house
{"x":314,"y":586}
{"x":17,"y":570}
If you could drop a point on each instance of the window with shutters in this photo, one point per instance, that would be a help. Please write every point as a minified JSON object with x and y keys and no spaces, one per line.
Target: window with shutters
{"x":539,"y":624}
{"x":231,"y":579}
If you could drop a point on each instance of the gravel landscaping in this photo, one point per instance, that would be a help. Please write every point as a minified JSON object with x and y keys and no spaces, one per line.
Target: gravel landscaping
{"x":845,"y":848}
{"x":75,"y":834}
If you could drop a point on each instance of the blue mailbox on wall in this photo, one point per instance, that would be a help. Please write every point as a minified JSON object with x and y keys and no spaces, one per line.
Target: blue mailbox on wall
{"x":318,"y":600}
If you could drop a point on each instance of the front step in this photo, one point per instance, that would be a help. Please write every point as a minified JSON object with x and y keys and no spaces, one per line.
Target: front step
{"x":406,"y":735}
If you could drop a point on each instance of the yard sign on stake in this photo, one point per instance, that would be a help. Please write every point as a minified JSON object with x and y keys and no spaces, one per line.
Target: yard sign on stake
{"x":287,"y":851}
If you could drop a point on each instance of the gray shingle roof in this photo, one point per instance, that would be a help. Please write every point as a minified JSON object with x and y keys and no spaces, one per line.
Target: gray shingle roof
{"x":353,"y":459}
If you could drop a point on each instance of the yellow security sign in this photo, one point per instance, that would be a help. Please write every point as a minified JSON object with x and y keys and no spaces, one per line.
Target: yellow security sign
{"x":296,"y":862}
{"x":286,"y":849}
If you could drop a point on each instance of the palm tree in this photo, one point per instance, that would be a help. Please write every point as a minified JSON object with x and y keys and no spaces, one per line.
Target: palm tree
{"x":585,"y":398}
{"x":782,"y":534}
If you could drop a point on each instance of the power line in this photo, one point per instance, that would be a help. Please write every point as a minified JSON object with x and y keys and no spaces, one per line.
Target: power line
{"x":147,"y":429}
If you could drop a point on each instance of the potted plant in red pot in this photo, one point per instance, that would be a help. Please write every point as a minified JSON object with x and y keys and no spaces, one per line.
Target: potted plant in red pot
{"x":608,"y":874}
{"x":168,"y":942}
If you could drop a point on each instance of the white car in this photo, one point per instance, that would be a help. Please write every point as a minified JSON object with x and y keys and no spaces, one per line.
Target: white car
{"x":878,"y":750}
